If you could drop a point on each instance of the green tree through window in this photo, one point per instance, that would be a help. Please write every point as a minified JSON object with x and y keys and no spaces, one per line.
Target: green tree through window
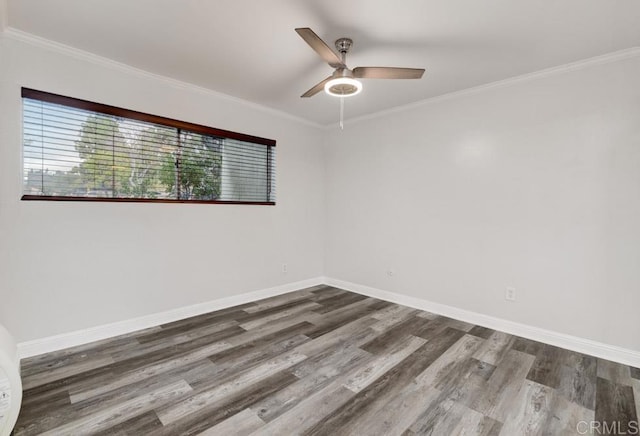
{"x":149,"y":163}
{"x":105,"y":162}
{"x":192,"y":169}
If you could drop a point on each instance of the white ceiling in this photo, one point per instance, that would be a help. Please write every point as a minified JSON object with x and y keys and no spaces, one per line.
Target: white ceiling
{"x":248,"y":48}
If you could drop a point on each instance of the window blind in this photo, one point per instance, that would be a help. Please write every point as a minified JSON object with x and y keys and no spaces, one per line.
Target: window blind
{"x":79,"y":150}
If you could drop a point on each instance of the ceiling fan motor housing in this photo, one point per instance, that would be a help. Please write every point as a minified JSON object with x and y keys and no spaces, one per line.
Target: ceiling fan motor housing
{"x":343,"y":45}
{"x":343,"y":84}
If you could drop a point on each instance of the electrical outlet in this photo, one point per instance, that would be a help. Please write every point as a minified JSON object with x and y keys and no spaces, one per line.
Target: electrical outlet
{"x":285,"y":268}
{"x":510,"y":294}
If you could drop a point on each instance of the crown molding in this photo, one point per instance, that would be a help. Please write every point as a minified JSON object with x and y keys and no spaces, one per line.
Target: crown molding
{"x":18,"y":35}
{"x":547,"y":72}
{"x":28,"y":38}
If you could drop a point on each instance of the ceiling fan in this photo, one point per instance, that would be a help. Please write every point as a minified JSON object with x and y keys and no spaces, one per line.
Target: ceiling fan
{"x":343,"y":82}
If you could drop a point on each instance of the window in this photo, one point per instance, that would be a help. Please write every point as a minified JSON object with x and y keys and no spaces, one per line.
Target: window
{"x":79,"y":150}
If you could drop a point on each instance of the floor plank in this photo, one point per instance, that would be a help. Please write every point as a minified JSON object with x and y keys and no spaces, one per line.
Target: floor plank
{"x":205,"y":397}
{"x":332,"y":367}
{"x":615,"y":406}
{"x":240,"y":424}
{"x":219,"y":411}
{"x":377,"y":367}
{"x":119,"y":413}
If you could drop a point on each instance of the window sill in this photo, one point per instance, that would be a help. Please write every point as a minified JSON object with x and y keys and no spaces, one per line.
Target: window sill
{"x":140,"y":200}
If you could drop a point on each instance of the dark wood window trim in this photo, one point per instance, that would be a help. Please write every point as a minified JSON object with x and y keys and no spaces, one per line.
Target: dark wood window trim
{"x":141,"y":116}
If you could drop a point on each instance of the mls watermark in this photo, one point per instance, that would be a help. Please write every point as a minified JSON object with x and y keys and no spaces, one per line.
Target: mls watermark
{"x":608,"y":427}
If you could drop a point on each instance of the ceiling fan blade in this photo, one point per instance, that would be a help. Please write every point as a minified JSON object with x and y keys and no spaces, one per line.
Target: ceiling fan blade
{"x":387,"y":73}
{"x":320,"y":47}
{"x":317,"y":88}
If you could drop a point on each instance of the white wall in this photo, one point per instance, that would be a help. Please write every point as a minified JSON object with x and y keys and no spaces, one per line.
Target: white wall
{"x":67,"y":266}
{"x":534,"y":185}
{"x":3,"y":15}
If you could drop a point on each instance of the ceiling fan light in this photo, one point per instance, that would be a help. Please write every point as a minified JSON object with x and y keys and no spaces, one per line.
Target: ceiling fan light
{"x":343,"y":87}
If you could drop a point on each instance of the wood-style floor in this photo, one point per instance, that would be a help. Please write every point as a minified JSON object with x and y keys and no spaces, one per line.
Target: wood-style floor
{"x":323,"y":361}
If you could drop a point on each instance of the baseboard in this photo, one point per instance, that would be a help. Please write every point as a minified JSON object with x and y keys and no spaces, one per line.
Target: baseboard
{"x":71,"y":339}
{"x":581,"y":345}
{"x":574,"y":343}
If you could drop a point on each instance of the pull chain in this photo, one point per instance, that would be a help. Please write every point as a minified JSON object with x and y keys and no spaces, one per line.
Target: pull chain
{"x":342,"y":113}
